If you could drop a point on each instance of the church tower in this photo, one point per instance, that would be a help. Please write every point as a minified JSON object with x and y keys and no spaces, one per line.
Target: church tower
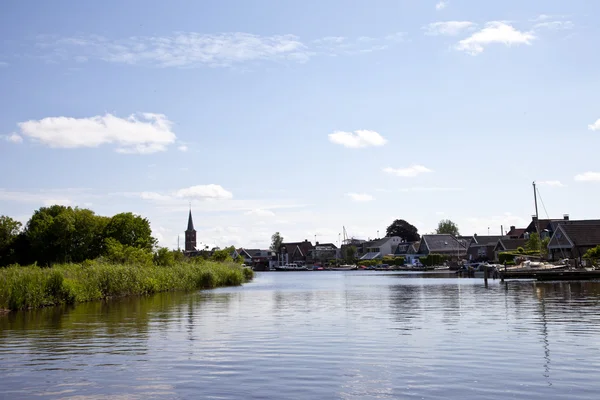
{"x":190,"y":235}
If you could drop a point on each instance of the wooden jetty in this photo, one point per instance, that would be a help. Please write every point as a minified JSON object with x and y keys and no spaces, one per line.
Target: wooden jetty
{"x":552,"y":275}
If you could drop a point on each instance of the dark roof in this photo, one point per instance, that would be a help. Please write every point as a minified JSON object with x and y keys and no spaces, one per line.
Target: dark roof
{"x":487,"y":240}
{"x":442,"y":242}
{"x":403,"y":248}
{"x":583,"y":234}
{"x":303,"y":246}
{"x":518,"y":232}
{"x":510,"y":244}
{"x":326,"y":245}
{"x":190,"y":222}
{"x":554,"y":224}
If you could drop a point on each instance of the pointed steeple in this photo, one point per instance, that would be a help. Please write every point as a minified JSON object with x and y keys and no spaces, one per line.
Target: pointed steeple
{"x":190,"y":222}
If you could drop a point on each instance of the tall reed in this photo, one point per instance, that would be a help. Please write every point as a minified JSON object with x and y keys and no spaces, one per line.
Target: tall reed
{"x":32,"y":286}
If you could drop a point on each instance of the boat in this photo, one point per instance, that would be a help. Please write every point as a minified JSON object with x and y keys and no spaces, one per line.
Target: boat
{"x":291,"y":267}
{"x":345,"y":267}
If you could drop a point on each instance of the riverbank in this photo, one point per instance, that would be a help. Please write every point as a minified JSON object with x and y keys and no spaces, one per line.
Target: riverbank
{"x":33,"y":287}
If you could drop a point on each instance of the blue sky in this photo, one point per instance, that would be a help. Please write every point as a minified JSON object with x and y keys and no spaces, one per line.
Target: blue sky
{"x":301,"y":117}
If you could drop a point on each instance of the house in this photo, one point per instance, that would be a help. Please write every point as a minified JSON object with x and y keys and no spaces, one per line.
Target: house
{"x":295,"y":252}
{"x":382,"y":247}
{"x":573,"y":240}
{"x":508,"y":245}
{"x":322,"y":252}
{"x":516,"y":233}
{"x":408,"y":250}
{"x":482,"y":248}
{"x":444,"y":244}
{"x":259,"y":260}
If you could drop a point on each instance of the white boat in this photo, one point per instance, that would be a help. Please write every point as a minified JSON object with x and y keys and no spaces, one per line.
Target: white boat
{"x":345,"y":267}
{"x":291,"y":267}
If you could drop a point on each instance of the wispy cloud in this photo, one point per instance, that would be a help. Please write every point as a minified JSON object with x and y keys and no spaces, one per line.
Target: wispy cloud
{"x":47,"y":197}
{"x":340,"y":45}
{"x":192,"y":49}
{"x":588,"y":177}
{"x":259,"y":212}
{"x":595,"y":126}
{"x":441,"y":5}
{"x":182,"y":49}
{"x":211,"y":191}
{"x":408,"y":172}
{"x":143,"y":134}
{"x":447,"y":28}
{"x":3,"y":64}
{"x":495,"y":32}
{"x":13,"y":138}
{"x":551,"y":183}
{"x":360,"y":197}
{"x":552,"y":22}
{"x":421,"y":189}
{"x":183,"y":148}
{"x":357,"y":139}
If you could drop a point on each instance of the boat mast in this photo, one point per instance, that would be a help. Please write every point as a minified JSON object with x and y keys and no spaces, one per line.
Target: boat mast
{"x":537,"y":219}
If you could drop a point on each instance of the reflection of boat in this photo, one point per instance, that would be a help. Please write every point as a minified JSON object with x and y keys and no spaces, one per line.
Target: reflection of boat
{"x":345,"y":267}
{"x":291,"y":267}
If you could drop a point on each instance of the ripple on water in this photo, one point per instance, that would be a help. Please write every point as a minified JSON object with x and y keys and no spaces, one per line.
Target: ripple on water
{"x":315,"y":335}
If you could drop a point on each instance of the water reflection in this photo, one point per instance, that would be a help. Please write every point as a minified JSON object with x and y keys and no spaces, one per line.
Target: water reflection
{"x":315,"y":335}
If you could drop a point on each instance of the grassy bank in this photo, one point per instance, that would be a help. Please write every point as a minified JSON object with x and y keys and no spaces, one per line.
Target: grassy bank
{"x":32,"y":286}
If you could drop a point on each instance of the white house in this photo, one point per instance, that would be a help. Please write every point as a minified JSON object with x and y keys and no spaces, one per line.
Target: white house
{"x":382,"y":247}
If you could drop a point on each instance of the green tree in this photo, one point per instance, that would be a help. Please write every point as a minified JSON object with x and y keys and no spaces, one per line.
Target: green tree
{"x":448,"y":227}
{"x":349,"y":253}
{"x":533,"y":243}
{"x":404,"y":230}
{"x":544,"y":246}
{"x":164,"y":257}
{"x":223,"y":255}
{"x":276,"y":241}
{"x":593,"y":253}
{"x":130,"y":230}
{"x":10,"y":230}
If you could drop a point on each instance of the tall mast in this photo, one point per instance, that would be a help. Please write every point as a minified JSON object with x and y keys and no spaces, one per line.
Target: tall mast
{"x":537,"y":218}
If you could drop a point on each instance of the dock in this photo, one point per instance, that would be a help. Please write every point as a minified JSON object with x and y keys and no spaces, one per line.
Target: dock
{"x":551,"y":275}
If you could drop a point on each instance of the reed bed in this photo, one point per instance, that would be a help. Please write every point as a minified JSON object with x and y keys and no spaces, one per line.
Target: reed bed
{"x":24,"y":287}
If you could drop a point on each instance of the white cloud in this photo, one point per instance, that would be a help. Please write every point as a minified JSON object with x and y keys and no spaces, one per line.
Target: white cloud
{"x":411,"y":171}
{"x":3,"y":64}
{"x":211,"y":191}
{"x":358,"y":139}
{"x":595,"y":126}
{"x":182,"y":49}
{"x":447,"y":28}
{"x":154,"y":196}
{"x":421,"y":189}
{"x":143,"y":134}
{"x":494,"y":32}
{"x":13,"y":138}
{"x":588,"y":177}
{"x":551,"y":183}
{"x":360,"y":197}
{"x":259,"y":212}
{"x":554,"y":25}
{"x":183,"y":148}
{"x":441,"y":5}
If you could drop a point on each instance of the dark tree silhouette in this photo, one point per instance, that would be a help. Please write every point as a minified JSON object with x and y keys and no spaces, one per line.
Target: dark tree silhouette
{"x":404,"y":230}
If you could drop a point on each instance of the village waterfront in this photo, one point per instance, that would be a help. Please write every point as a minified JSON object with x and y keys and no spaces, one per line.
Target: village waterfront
{"x":314,"y":335}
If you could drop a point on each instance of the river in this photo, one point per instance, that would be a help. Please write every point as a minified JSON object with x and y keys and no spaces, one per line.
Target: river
{"x":314,"y":335}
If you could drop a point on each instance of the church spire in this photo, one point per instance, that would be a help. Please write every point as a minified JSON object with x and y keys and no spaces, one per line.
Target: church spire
{"x":190,"y":222}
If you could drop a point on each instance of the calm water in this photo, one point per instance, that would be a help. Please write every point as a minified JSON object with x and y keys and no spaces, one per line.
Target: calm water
{"x":315,"y":335}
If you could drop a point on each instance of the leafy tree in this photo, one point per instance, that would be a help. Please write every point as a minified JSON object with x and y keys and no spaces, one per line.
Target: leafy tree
{"x":448,"y":227}
{"x":404,"y":230}
{"x":349,"y":253}
{"x":593,"y":253}
{"x":119,"y":253}
{"x":130,"y":230}
{"x":9,"y":234}
{"x":533,"y":243}
{"x":544,"y":246}
{"x":164,"y":257}
{"x":223,"y":255}
{"x":276,"y":241}
{"x":9,"y":230}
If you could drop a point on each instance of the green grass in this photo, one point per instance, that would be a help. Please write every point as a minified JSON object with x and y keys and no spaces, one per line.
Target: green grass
{"x":33,"y":287}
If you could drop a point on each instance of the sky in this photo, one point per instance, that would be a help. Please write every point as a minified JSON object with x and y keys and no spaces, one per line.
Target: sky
{"x":301,"y":117}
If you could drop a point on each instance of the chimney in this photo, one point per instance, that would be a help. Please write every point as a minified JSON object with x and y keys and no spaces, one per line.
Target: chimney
{"x":534,"y":218}
{"x":316,"y":243}
{"x":512,"y":227}
{"x":501,"y":230}
{"x":566,"y":217}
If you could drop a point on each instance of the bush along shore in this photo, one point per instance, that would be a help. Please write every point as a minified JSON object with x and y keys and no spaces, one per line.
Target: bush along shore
{"x":33,"y":286}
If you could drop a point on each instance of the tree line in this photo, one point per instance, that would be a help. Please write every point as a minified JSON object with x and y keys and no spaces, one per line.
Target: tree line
{"x":60,"y":234}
